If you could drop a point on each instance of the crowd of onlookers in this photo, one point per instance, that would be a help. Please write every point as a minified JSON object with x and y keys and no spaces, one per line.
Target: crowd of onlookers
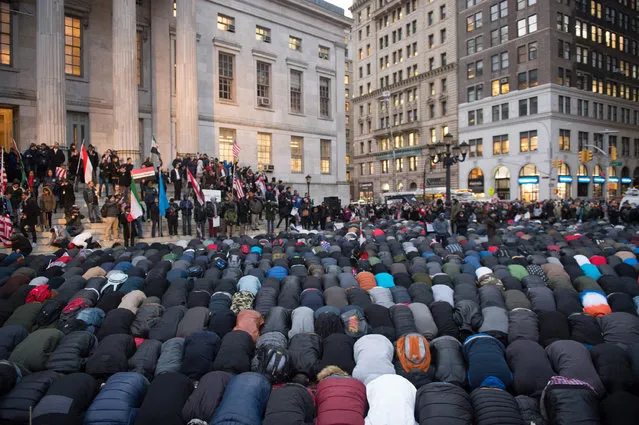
{"x":55,"y":177}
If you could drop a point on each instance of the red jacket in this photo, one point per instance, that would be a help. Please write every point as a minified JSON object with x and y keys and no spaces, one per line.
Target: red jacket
{"x":38,"y":294}
{"x":340,"y":401}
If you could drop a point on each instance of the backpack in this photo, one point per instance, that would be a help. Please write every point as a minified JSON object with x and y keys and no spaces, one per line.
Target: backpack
{"x":275,"y":364}
{"x":49,"y":313}
{"x":235,"y":262}
{"x":413,"y":352}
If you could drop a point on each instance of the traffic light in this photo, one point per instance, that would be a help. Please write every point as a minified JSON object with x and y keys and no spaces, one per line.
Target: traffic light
{"x":588,"y":155}
{"x":585,"y":155}
{"x":554,"y":163}
{"x":613,"y":153}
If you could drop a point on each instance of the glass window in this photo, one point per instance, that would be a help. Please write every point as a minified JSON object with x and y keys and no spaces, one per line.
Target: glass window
{"x":264,"y":156}
{"x":532,"y":51}
{"x":227,"y":137}
{"x":263,"y":72}
{"x":294,"y":43}
{"x":297,"y":154}
{"x":500,"y":145}
{"x":72,"y":46}
{"x":564,"y":140}
{"x":296,"y":91}
{"x":5,"y":34}
{"x":325,"y":156}
{"x":325,"y":97}
{"x":528,"y":141}
{"x":225,"y":23}
{"x":226,"y":64}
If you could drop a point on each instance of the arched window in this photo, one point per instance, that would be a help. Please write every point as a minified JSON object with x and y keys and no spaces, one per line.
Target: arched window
{"x":502,"y":182}
{"x":528,"y":189}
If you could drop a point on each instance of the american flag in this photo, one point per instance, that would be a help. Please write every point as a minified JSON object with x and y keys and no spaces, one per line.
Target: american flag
{"x":3,"y":179}
{"x":236,"y":150}
{"x":5,"y":230}
{"x":60,"y":173}
{"x":238,"y":188}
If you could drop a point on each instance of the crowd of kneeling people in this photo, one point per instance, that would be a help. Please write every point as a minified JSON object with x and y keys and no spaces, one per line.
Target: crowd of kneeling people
{"x":537,"y":326}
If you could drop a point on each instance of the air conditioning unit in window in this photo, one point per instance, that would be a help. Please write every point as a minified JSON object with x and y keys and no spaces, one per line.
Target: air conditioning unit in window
{"x":267,"y":38}
{"x":263,"y":101}
{"x":503,"y":80}
{"x":269,"y":168}
{"x":231,"y":28}
{"x":323,"y":55}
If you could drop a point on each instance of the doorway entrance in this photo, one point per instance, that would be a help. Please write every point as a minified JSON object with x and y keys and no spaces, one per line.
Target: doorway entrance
{"x":77,"y":129}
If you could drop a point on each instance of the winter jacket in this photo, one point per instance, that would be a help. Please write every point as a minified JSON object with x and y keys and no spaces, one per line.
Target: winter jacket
{"x":34,"y":351}
{"x":235,"y":353}
{"x":278,"y":320}
{"x":486,"y":362}
{"x":166,"y":327}
{"x":553,"y":326}
{"x":468,"y":317}
{"x":116,"y":321}
{"x":244,"y":400}
{"x":522,"y":324}
{"x":305,"y":351}
{"x":571,"y":359}
{"x":290,"y":404}
{"x":614,"y":368}
{"x":585,"y":329}
{"x":302,"y":321}
{"x":195,"y":319}
{"x":146,"y":318}
{"x":442,"y":403}
{"x":619,"y":408}
{"x":206,"y":397}
{"x":200,"y":350}
{"x":66,"y":400}
{"x":145,"y":359}
{"x":494,"y":405}
{"x":530,"y":366}
{"x":337,"y":350}
{"x":448,"y":360}
{"x":443,"y":315}
{"x":171,"y":354}
{"x":164,"y":400}
{"x":619,"y":328}
{"x":10,"y":337}
{"x":249,"y":321}
{"x":72,"y":352}
{"x":340,"y":400}
{"x":391,"y":399}
{"x":15,"y":407}
{"x":118,"y":400}
{"x":111,"y":355}
{"x":424,"y":321}
{"x":570,"y":401}
{"x":373,"y":357}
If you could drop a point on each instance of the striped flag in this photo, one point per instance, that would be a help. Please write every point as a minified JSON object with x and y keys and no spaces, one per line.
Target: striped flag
{"x":236,"y":150}
{"x":3,"y":178}
{"x":60,"y":173}
{"x":136,"y":206}
{"x":238,"y":188}
{"x":86,"y":162}
{"x":196,"y":187}
{"x":5,"y":230}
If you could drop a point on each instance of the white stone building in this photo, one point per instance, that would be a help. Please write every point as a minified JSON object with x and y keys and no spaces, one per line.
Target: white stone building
{"x":196,"y":74}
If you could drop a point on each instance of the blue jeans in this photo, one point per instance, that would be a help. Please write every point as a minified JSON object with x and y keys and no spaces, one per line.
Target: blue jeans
{"x":105,"y":183}
{"x":138,"y":227}
{"x":270,"y":226}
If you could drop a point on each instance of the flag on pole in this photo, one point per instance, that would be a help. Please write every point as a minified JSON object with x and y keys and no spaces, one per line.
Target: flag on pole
{"x":5,"y":230}
{"x":23,"y":182}
{"x":155,"y":153}
{"x":136,"y":206}
{"x":196,"y":187}
{"x":164,"y":201}
{"x":86,"y":162}
{"x":236,"y":150}
{"x":60,"y":173}
{"x":3,"y":175}
{"x":238,"y":188}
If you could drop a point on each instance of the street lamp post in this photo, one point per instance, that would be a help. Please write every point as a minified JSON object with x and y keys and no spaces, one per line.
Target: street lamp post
{"x":308,"y":186}
{"x":449,"y":155}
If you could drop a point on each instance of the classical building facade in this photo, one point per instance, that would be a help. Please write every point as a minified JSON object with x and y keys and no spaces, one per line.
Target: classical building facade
{"x":404,"y":93}
{"x":541,"y":80}
{"x":196,"y":74}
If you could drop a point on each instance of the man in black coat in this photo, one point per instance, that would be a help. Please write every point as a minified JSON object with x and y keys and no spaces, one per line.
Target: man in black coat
{"x":176,"y":177}
{"x":124,"y":180}
{"x":58,"y":156}
{"x":29,"y":215}
{"x":29,"y":158}
{"x":44,"y":158}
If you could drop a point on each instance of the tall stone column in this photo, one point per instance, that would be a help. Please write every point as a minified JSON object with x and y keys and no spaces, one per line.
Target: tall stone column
{"x":51,"y":106}
{"x":186,"y":78}
{"x":125,"y":86}
{"x":161,"y":12}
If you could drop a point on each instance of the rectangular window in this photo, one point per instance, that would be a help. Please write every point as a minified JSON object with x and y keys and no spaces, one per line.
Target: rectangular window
{"x":138,"y":43}
{"x":264,"y":156}
{"x":532,"y":105}
{"x":564,"y":140}
{"x":625,"y":146}
{"x":384,"y":166}
{"x":412,"y":163}
{"x":532,"y":51}
{"x":582,"y":140}
{"x":474,"y":22}
{"x":225,"y":23}
{"x":297,"y":154}
{"x":324,"y":52}
{"x":500,"y":145}
{"x":325,"y":97}
{"x":500,"y":86}
{"x":523,"y":107}
{"x":476,"y":148}
{"x":296,"y":91}
{"x":227,"y":137}
{"x":72,"y":46}
{"x":5,"y":34}
{"x":582,"y":108}
{"x":399,"y":164}
{"x":294,"y":43}
{"x":527,"y":25}
{"x":528,"y":141}
{"x":263,"y":72}
{"x":262,"y":34}
{"x":226,"y":90}
{"x":325,"y":156}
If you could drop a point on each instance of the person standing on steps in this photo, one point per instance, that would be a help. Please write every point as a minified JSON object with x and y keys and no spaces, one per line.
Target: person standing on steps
{"x":110,"y":211}
{"x":92,"y":200}
{"x":176,"y":178}
{"x":29,"y":216}
{"x":128,"y":228}
{"x":156,"y":227}
{"x":186,"y":206}
{"x":47,"y":206}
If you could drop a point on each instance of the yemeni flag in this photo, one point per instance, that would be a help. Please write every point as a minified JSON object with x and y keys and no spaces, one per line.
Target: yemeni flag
{"x":196,"y":187}
{"x":155,"y":153}
{"x":136,"y":206}
{"x":86,"y":163}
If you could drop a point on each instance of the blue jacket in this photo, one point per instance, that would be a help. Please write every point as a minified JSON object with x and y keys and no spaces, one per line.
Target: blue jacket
{"x":118,"y":400}
{"x":486,"y":360}
{"x":244,"y":400}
